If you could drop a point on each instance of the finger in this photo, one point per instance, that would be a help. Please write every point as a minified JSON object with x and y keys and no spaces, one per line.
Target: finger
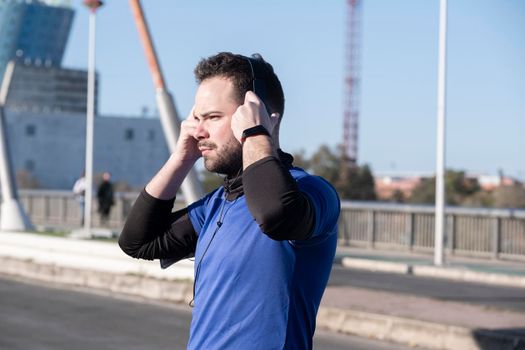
{"x":191,"y":115}
{"x":190,"y":121}
{"x":251,"y":97}
{"x":188,"y":128}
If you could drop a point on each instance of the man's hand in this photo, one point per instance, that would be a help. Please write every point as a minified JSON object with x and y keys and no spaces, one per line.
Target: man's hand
{"x":187,"y":149}
{"x":251,"y":113}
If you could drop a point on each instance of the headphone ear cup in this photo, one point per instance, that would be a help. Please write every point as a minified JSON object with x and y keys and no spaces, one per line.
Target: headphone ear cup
{"x":259,"y":72}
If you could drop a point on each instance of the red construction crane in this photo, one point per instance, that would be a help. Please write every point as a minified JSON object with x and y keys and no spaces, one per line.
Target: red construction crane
{"x":352,"y":80}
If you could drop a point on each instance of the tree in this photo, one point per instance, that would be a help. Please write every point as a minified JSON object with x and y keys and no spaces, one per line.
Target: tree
{"x":509,"y":196}
{"x":360,"y":184}
{"x":479,"y":199}
{"x":326,"y":164}
{"x":398,"y":197}
{"x":425,"y":192}
{"x":458,"y":187}
{"x":350,"y":181}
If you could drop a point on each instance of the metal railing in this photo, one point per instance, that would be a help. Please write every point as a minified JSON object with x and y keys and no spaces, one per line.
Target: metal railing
{"x":61,"y":210}
{"x":55,"y":209}
{"x":491,"y":233}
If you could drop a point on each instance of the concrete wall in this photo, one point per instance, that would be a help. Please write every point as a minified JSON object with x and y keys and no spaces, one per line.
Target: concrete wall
{"x":51,"y":147}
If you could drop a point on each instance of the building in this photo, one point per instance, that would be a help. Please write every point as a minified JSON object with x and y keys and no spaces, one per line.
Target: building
{"x":50,"y":147}
{"x":34,"y":31}
{"x":491,"y":182}
{"x":33,"y":34}
{"x":44,"y":89}
{"x":389,"y":187}
{"x":45,"y":110}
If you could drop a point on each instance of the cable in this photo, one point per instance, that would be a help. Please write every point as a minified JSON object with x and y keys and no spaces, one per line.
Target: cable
{"x":219,"y":224}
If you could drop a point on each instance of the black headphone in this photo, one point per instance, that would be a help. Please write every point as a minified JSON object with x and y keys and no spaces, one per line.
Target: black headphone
{"x":259,"y":73}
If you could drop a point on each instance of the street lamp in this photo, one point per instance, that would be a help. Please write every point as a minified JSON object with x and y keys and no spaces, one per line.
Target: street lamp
{"x":93,"y":5}
{"x":440,"y":148}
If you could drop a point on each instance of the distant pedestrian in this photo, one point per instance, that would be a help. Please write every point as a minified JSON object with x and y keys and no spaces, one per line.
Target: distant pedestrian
{"x":105,"y":198}
{"x":79,"y":189}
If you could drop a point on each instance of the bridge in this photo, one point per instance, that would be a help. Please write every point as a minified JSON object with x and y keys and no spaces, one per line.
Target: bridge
{"x":483,"y":233}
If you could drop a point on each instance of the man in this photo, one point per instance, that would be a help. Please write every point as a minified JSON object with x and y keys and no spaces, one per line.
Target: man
{"x":264,"y":242}
{"x":105,"y":197}
{"x":79,"y":190}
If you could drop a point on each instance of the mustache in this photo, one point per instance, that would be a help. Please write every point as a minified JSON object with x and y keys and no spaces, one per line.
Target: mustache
{"x":207,"y":144}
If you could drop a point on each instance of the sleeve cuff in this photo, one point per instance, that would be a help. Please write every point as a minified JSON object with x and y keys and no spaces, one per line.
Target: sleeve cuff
{"x":154,"y":202}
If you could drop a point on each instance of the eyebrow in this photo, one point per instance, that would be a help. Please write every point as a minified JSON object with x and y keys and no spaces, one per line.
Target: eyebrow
{"x":208,"y":114}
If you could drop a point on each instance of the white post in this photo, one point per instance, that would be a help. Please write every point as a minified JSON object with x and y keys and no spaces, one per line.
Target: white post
{"x":440,"y":151}
{"x":13,"y":216}
{"x":90,"y":123}
{"x":191,"y":187}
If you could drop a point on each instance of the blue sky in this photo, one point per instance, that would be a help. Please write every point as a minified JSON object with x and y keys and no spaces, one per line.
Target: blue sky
{"x":304,"y":40}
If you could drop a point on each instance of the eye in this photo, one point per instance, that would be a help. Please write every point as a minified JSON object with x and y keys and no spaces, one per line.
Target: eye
{"x":214,"y":117}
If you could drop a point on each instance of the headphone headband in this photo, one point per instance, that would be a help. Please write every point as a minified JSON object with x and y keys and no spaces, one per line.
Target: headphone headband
{"x":259,"y":73}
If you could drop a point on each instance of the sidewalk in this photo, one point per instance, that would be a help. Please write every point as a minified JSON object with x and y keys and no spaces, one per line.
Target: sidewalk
{"x":421,"y":321}
{"x":490,"y":271}
{"x":406,"y":319}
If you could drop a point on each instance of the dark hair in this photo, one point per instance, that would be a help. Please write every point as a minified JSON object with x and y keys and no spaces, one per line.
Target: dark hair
{"x":237,"y":69}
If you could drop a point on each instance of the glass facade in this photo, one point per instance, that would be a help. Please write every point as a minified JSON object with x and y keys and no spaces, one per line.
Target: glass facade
{"x":34,"y":32}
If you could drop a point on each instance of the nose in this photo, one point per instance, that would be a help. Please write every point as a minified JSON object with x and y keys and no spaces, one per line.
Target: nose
{"x":201,"y":132}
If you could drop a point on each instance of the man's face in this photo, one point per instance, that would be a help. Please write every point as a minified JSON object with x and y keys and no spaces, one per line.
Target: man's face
{"x":214,"y":107}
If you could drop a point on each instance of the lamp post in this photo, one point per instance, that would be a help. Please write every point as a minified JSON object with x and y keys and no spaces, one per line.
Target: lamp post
{"x":440,"y":147}
{"x":93,"y":5}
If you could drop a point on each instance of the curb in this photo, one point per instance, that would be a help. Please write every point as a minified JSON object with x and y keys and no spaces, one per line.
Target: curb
{"x":85,"y":255}
{"x":459,"y":274}
{"x":414,"y":332}
{"x":137,"y":284}
{"x":364,"y":324}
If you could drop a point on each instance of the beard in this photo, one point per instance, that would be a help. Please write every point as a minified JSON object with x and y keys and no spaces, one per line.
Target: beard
{"x":227,"y":160}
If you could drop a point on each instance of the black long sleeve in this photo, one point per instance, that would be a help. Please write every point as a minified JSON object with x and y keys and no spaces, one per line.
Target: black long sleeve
{"x":152,"y":231}
{"x":273,"y":197}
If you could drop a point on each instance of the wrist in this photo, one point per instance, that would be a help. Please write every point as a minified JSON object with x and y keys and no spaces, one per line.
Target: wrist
{"x":257,"y":130}
{"x":259,"y":140}
{"x":180,"y":161}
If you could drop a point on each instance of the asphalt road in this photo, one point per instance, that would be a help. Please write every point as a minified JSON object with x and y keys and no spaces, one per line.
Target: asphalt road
{"x":448,"y":290}
{"x":46,"y":317}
